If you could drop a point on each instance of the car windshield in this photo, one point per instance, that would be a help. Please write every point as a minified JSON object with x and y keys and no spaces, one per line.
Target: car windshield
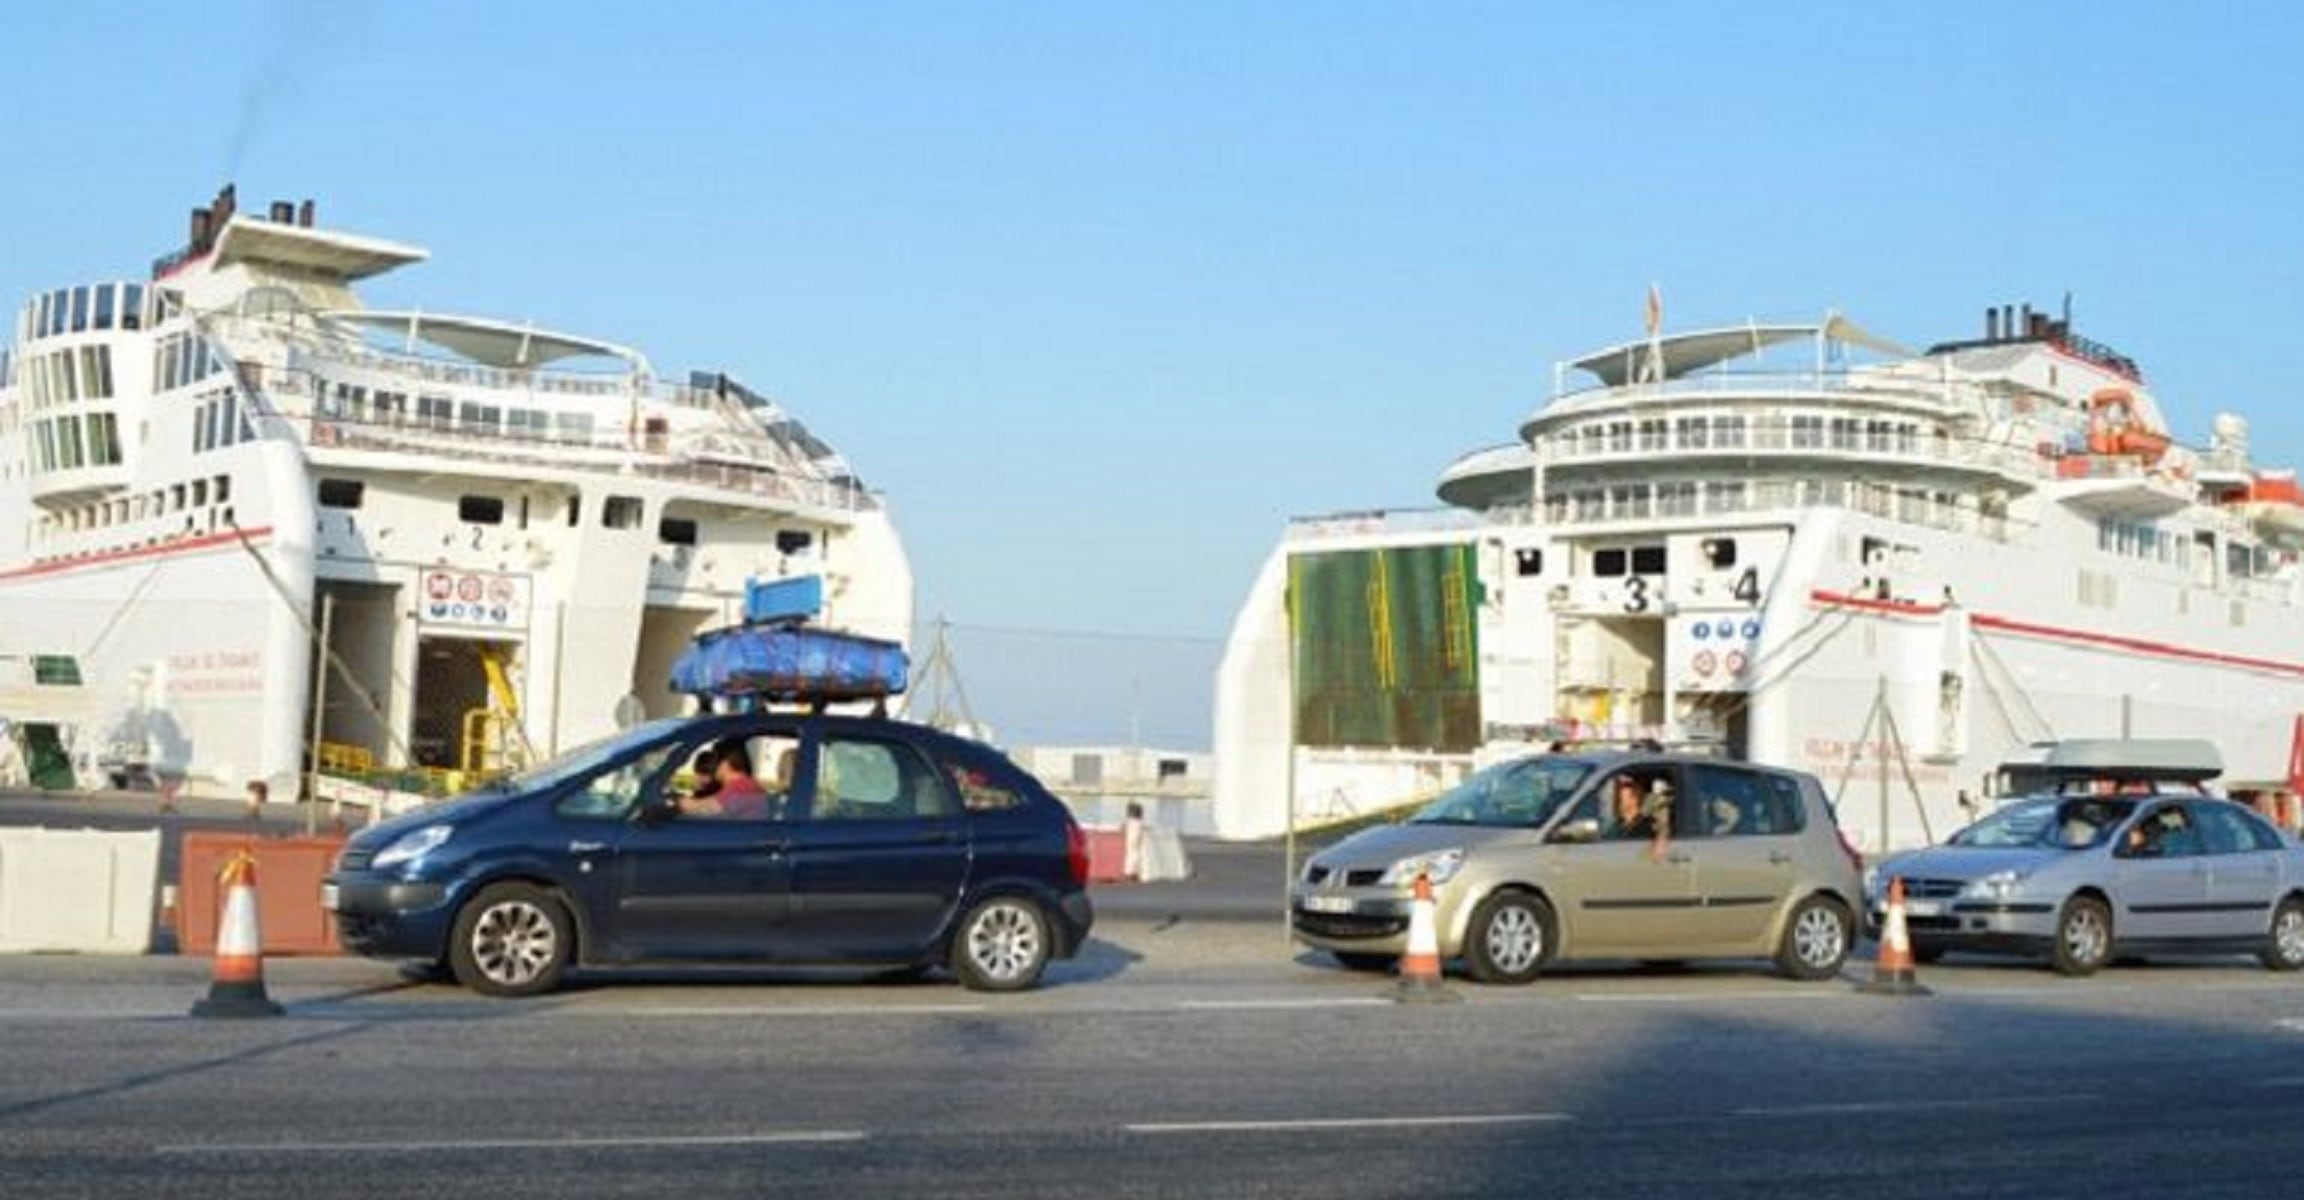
{"x":1526,"y":792}
{"x":589,"y":757}
{"x":2049,"y":822}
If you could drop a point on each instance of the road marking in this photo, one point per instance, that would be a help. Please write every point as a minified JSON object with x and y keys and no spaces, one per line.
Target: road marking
{"x":1883,"y":1106}
{"x":1319,"y":1124}
{"x":1330,"y":1002}
{"x":786,"y":1138}
{"x":814,"y":1010}
{"x":1707,"y":997}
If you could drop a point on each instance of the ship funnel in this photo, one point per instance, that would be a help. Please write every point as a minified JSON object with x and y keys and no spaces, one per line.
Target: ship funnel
{"x":305,"y":214}
{"x":1992,"y":324}
{"x":202,"y":222}
{"x":282,"y":212}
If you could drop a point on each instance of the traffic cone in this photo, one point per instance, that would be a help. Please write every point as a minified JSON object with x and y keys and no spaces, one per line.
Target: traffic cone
{"x":1420,"y":980}
{"x":1892,"y":970}
{"x":238,"y":989}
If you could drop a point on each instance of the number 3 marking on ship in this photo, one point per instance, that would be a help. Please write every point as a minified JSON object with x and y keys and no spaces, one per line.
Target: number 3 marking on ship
{"x":1748,"y":586}
{"x":1635,"y":594}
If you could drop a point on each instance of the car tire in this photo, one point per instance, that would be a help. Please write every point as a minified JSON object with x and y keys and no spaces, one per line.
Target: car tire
{"x":1364,"y":962}
{"x":2284,"y":945}
{"x":2083,"y":937}
{"x":1510,"y":939}
{"x":1002,"y":945}
{"x":1817,"y":937}
{"x":513,"y":939}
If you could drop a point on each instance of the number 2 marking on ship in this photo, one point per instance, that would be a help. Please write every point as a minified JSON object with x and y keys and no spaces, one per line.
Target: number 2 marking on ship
{"x":1748,"y":586}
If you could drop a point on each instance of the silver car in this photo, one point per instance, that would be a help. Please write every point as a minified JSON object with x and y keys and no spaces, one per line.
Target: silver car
{"x":1606,"y":855}
{"x":2080,"y":878}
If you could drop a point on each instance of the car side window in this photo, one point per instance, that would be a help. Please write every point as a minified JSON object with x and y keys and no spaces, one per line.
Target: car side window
{"x":2227,"y":830}
{"x":612,"y":794}
{"x":2165,"y":832}
{"x":860,"y":780}
{"x":979,"y":791}
{"x":1639,"y":804}
{"x":1730,"y":802}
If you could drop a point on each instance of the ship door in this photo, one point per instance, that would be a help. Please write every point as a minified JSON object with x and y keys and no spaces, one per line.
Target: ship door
{"x":467,"y":712}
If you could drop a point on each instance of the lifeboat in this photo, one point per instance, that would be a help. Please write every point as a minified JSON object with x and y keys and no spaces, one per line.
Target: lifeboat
{"x":2275,"y":505}
{"x":2114,"y":429}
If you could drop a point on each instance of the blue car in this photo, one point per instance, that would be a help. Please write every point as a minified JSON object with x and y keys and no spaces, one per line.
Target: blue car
{"x":786,"y":838}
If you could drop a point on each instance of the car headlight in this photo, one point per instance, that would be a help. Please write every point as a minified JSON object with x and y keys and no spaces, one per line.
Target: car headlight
{"x":1438,"y":865}
{"x":1999,"y":885}
{"x":412,"y":845}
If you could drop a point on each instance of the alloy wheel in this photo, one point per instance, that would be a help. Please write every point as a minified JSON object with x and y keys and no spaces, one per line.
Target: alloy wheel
{"x":1005,"y":942}
{"x":514,"y":942}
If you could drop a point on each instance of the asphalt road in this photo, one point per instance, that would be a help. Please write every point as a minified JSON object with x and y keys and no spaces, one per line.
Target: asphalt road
{"x":1179,"y":1057}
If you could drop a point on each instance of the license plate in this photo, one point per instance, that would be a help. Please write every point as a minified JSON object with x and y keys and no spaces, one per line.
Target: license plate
{"x":1328,"y":904}
{"x":1924,"y":908}
{"x":328,"y":896}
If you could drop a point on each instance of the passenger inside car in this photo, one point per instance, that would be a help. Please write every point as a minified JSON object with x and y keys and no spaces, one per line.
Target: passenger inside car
{"x":1642,"y":809}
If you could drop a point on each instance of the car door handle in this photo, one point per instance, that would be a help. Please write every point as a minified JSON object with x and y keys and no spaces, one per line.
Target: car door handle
{"x":586,"y":847}
{"x":1779,"y":857}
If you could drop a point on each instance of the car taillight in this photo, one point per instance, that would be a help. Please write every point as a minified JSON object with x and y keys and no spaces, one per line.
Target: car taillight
{"x":1076,"y":851}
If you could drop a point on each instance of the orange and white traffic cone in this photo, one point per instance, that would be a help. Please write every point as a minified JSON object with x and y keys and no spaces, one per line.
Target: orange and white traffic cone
{"x":1420,"y":980}
{"x":238,"y":988}
{"x":1892,"y":971}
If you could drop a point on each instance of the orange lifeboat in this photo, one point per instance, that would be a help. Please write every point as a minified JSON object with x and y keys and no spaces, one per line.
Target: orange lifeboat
{"x":2113,"y":428}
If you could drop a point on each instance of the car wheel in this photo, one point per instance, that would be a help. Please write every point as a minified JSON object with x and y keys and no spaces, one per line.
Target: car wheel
{"x":2083,"y":937}
{"x":2284,"y":949}
{"x":512,"y":939}
{"x":1002,"y":945}
{"x":1510,"y":939}
{"x":1816,"y":939}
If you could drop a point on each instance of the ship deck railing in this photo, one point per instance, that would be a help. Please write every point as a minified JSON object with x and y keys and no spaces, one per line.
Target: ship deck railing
{"x":648,"y":455}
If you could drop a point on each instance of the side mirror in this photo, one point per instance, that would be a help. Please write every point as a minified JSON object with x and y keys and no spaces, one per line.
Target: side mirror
{"x":1582,"y":829}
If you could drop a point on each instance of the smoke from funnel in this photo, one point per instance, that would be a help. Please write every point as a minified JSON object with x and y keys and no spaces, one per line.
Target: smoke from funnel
{"x":285,"y":64}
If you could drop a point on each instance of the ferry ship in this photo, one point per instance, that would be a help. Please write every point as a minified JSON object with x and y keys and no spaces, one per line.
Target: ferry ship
{"x":1805,"y":544}
{"x":503,"y":535}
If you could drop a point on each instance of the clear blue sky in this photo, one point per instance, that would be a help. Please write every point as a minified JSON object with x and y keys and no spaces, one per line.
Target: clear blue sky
{"x":1102,"y":294}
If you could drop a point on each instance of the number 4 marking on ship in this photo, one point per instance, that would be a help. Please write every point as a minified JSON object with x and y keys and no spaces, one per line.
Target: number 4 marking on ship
{"x":1748,"y":586}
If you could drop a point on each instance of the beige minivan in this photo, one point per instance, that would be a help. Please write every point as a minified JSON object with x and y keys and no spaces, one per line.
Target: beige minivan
{"x":1609,"y":854}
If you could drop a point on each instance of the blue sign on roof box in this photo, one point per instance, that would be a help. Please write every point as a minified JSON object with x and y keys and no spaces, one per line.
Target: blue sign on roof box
{"x":794,"y":599}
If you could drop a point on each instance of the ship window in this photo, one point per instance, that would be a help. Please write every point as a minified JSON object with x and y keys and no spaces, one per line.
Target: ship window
{"x":80,"y":310}
{"x":573,"y":426}
{"x":1528,"y":560}
{"x":482,"y":416}
{"x":794,"y":541}
{"x":480,"y":510}
{"x":105,"y":432}
{"x":575,"y":511}
{"x":1719,"y":552}
{"x":1695,"y":433}
{"x":342,"y":493}
{"x":176,"y":497}
{"x":1591,"y":504}
{"x":2237,"y":559}
{"x":132,"y":306}
{"x":199,"y":493}
{"x":55,"y":670}
{"x":1608,"y":563}
{"x":1728,"y":432}
{"x":1676,"y":499}
{"x":1619,"y":436}
{"x":1724,"y":497}
{"x":622,"y":512}
{"x":1592,"y":434}
{"x":104,"y":302}
{"x":70,"y":374}
{"x":435,"y":411}
{"x":676,"y":531}
{"x":1807,"y":432}
{"x":1843,"y":433}
{"x":1652,"y":434}
{"x":1647,"y":560}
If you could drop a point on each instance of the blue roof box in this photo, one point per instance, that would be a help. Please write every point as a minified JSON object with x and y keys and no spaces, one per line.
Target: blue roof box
{"x":790,"y":663}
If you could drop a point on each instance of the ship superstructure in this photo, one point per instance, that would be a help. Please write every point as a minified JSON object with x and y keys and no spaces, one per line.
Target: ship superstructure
{"x":1803,"y":542}
{"x":503,"y":534}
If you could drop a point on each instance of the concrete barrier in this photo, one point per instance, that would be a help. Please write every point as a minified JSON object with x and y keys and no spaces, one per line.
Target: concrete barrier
{"x":77,"y":891}
{"x":288,"y":872}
